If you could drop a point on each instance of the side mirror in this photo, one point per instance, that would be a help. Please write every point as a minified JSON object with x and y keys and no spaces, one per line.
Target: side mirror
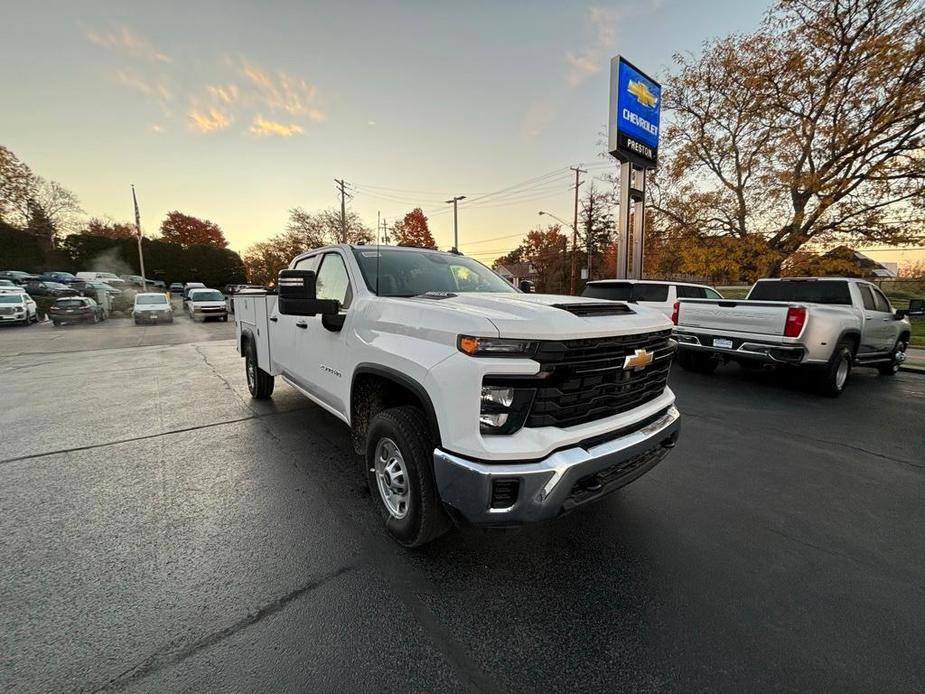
{"x":297,"y":295}
{"x":900,"y":313}
{"x":527,"y":286}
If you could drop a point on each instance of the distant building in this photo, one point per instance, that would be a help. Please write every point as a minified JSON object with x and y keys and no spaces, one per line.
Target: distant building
{"x":856,"y":264}
{"x":515,"y":272}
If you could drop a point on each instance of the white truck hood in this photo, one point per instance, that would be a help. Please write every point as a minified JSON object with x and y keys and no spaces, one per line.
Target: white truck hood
{"x":540,"y":316}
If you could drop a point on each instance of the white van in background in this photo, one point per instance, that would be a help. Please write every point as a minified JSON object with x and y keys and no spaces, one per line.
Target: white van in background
{"x":112,"y":279}
{"x":652,"y":293}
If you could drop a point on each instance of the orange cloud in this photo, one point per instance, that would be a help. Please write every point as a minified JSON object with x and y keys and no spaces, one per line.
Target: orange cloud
{"x":225,"y":94}
{"x":210,"y":121}
{"x":283,"y":92}
{"x":263,"y":128}
{"x":123,"y":40}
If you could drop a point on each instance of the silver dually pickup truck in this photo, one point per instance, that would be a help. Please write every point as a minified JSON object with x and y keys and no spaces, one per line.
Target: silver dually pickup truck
{"x":827,"y":324}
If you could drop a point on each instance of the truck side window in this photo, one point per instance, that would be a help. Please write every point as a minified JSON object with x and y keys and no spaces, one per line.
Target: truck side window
{"x":309,"y":263}
{"x":650,"y":292}
{"x":332,"y":281}
{"x":712,"y":293}
{"x":687,"y":292}
{"x":881,"y":301}
{"x":867,"y":297}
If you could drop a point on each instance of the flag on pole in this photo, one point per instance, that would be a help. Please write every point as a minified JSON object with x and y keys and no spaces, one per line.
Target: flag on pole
{"x":137,"y":213}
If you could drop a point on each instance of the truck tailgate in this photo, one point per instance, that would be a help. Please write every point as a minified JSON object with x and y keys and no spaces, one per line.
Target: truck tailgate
{"x":757,"y":317}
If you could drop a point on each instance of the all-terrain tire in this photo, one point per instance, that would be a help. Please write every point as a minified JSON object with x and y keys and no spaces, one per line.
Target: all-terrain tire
{"x":259,"y":382}
{"x":892,"y":368}
{"x":699,"y":362}
{"x":832,"y":379}
{"x":425,"y":518}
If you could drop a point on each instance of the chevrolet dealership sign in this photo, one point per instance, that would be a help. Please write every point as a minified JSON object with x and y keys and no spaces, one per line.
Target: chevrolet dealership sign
{"x":635,"y":107}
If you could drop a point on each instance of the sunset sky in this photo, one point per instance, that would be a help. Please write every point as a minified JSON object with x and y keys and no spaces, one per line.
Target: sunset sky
{"x":237,"y":111}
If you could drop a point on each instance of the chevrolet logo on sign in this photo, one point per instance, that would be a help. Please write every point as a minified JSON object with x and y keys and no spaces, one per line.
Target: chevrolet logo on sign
{"x":640,"y":360}
{"x":642,"y":93}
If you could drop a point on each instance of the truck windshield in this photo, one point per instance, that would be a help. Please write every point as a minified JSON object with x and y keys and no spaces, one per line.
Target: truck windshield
{"x":206,"y":295}
{"x":809,"y":291}
{"x":150,"y":299}
{"x":11,"y":298}
{"x":412,"y":273}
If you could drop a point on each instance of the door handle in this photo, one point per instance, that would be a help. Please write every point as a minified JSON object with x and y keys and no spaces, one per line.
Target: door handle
{"x":301,"y":324}
{"x":274,"y":319}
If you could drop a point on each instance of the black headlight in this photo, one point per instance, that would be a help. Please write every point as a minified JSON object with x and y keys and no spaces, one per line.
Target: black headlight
{"x":504,"y":409}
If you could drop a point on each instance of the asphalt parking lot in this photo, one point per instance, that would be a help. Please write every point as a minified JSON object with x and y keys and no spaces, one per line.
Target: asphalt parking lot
{"x":162,"y":532}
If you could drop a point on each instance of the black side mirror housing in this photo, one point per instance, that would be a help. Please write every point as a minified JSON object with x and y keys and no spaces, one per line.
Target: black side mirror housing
{"x":297,"y":295}
{"x":900,"y":313}
{"x":527,"y":286}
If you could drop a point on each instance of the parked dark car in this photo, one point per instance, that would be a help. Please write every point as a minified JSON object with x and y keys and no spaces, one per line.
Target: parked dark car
{"x":91,"y":287}
{"x":75,"y":309}
{"x":56,"y":276}
{"x":43,"y":288}
{"x":17,"y":276}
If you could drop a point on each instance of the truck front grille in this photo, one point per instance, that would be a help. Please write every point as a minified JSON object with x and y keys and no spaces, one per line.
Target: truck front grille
{"x":585,"y":379}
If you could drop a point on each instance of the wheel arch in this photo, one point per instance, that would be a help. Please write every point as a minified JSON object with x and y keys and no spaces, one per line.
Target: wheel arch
{"x":853,"y":336}
{"x":247,"y":337}
{"x":374,"y":388}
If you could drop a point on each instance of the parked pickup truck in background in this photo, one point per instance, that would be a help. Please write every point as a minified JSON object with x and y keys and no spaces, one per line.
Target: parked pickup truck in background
{"x":828,"y":324}
{"x":469,"y":400}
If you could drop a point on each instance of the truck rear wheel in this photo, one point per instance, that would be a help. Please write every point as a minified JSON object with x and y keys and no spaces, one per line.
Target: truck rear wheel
{"x":834,"y":376}
{"x":259,"y":382}
{"x":700,"y":362}
{"x":399,"y":469}
{"x":898,"y":357}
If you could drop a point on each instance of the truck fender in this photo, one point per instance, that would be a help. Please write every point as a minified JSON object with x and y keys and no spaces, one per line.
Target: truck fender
{"x":851,"y":334}
{"x":386,"y":374}
{"x":247,"y":336}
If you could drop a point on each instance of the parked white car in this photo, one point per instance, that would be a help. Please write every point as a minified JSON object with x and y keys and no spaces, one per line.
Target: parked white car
{"x":656,"y":294}
{"x":206,"y":303}
{"x":17,"y":307}
{"x":152,"y":307}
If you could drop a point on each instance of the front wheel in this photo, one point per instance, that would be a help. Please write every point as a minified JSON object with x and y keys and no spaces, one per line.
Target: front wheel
{"x":898,"y":357}
{"x":833,"y":378}
{"x":259,"y":382}
{"x":399,"y":464}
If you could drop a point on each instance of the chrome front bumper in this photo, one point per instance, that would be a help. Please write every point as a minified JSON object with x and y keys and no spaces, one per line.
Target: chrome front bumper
{"x":549,"y":487}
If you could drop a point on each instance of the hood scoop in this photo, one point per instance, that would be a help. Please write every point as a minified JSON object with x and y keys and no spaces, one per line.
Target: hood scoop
{"x":610,"y":308}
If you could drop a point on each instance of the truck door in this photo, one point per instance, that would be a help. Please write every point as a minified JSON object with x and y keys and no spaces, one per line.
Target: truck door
{"x":887,"y":329}
{"x":876,"y":314}
{"x":286,"y":334}
{"x":325,"y":350}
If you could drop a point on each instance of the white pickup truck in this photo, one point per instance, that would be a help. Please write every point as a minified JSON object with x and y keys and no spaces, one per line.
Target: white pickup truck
{"x":828,"y":324}
{"x":468,"y":400}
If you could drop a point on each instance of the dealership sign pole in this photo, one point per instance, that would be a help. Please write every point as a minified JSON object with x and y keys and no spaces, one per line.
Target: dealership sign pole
{"x":635,"y":107}
{"x":141,"y":255}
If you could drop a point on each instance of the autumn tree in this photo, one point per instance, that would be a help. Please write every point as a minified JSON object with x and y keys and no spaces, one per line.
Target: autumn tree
{"x":546,"y":249}
{"x":808,"y":131}
{"x":16,"y":185}
{"x":186,"y":230}
{"x":413,"y":230}
{"x":110,"y":229}
{"x":305,"y":230}
{"x":596,"y":226}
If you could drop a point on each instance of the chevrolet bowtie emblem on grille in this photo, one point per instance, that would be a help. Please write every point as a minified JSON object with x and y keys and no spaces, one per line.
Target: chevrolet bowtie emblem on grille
{"x":641,"y":359}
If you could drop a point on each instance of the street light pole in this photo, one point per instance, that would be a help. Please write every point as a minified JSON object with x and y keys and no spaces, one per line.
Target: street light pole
{"x":455,"y":220}
{"x":564,"y":240}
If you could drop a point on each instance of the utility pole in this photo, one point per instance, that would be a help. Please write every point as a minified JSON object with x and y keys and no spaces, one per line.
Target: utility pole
{"x":343,"y":209}
{"x":141,"y":255}
{"x":455,"y":220}
{"x":578,"y":171}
